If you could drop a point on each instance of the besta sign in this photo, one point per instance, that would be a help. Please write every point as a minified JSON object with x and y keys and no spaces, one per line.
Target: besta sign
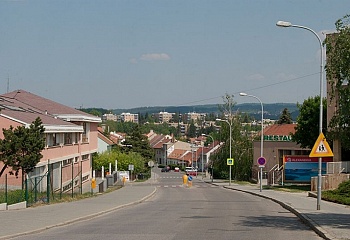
{"x":278,"y":138}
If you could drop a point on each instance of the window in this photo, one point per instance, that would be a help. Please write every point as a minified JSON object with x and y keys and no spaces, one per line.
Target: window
{"x":86,"y":128}
{"x":67,"y":162}
{"x":52,"y":139}
{"x":85,"y":157}
{"x":68,"y":138}
{"x":76,"y":137}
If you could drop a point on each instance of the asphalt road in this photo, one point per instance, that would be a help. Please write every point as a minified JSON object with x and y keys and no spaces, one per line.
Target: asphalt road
{"x":201,"y":212}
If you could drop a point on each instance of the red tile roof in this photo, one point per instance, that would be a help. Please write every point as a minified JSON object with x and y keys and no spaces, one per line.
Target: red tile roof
{"x":26,"y":107}
{"x":105,"y":139}
{"x":177,"y":154}
{"x":40,"y":103}
{"x":280,"y":129}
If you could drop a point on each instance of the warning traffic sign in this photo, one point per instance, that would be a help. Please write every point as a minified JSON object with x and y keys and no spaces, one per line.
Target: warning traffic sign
{"x":321,"y":148}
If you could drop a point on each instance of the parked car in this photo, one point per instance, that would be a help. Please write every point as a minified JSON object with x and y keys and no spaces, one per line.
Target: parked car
{"x":166,"y":169}
{"x":176,"y":169}
{"x":191,"y":171}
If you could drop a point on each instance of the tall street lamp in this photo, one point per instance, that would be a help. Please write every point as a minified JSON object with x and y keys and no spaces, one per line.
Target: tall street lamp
{"x":262,"y":132}
{"x":230,"y":124}
{"x":202,"y":158}
{"x":288,"y":24}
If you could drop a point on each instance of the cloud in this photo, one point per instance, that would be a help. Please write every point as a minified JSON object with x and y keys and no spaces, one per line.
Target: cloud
{"x":133,"y":60}
{"x":255,"y":77}
{"x":155,"y":57}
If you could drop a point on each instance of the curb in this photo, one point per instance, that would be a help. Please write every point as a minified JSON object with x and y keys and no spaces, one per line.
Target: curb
{"x":81,"y":219}
{"x":305,"y":219}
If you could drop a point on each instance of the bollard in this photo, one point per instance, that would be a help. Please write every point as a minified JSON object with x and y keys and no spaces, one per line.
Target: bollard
{"x":184,"y":179}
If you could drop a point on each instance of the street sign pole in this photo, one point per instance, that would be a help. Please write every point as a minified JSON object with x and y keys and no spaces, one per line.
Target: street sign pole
{"x":261,"y":161}
{"x":320,"y":149}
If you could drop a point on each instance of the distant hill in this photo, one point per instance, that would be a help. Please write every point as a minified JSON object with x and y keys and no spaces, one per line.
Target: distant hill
{"x":271,"y":111}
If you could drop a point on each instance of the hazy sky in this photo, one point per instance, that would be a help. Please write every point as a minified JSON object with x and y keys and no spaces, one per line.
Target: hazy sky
{"x":137,"y":53}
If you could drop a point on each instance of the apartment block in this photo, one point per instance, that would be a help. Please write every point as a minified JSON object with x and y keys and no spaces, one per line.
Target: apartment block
{"x":71,"y":139}
{"x":129,"y":117}
{"x":164,"y":117}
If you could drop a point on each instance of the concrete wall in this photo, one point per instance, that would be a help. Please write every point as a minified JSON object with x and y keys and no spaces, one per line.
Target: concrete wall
{"x":329,"y":181}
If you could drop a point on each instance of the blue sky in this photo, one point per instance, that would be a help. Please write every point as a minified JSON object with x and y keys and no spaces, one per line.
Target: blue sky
{"x":138,"y":53}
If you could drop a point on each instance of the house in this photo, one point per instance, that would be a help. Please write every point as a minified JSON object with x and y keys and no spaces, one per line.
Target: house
{"x":104,"y":143}
{"x":71,"y":137}
{"x":277,"y":142}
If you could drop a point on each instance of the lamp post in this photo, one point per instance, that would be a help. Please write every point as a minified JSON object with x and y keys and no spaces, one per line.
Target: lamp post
{"x":262,"y":132}
{"x":212,"y":175}
{"x":288,"y":24}
{"x":230,"y":124}
{"x":202,"y":158}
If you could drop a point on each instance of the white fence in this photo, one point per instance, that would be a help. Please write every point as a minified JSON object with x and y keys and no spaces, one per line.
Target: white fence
{"x":338,"y":167}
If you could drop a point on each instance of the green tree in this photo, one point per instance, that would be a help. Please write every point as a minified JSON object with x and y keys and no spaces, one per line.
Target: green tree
{"x":338,"y":73}
{"x":21,"y":147}
{"x":307,"y":128}
{"x":139,"y":143}
{"x":191,"y":132}
{"x":95,"y":112}
{"x":123,"y":161}
{"x":285,"y":117}
{"x":240,"y":145}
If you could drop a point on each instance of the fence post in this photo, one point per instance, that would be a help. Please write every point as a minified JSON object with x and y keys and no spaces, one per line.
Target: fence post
{"x":81,"y":176}
{"x":6,"y":188}
{"x":73,"y":178}
{"x":26,"y":188}
{"x":61,"y":183}
{"x":35,"y":190}
{"x":48,"y":182}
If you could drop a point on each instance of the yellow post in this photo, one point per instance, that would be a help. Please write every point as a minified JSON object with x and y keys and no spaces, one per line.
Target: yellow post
{"x":189,"y":184}
{"x":184,"y":179}
{"x":93,"y":183}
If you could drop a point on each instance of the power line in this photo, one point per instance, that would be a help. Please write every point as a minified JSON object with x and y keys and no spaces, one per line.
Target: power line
{"x":251,"y":89}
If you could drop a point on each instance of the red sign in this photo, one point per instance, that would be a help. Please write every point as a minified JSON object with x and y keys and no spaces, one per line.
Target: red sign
{"x":289,"y":158}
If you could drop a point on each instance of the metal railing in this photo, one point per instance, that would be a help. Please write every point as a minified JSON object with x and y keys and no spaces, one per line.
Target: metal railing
{"x":338,"y":167}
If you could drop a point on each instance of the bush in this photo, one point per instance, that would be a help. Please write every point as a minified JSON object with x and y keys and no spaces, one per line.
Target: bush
{"x":340,"y":195}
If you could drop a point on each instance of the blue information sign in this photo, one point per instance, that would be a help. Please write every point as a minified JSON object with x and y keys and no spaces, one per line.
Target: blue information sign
{"x":261,"y":161}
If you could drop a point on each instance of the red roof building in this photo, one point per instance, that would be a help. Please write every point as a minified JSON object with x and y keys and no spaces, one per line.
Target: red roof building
{"x":70,"y":139}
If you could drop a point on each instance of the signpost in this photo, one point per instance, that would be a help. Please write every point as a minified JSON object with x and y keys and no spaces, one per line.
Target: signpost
{"x":131,"y":168}
{"x":320,"y":149}
{"x":230,"y":161}
{"x":151,"y":165}
{"x":261,"y":161}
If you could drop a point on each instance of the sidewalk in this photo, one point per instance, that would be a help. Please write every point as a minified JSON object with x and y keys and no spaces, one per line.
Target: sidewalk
{"x":332,"y":221}
{"x":20,"y":222}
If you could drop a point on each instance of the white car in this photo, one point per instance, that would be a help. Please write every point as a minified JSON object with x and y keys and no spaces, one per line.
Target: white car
{"x":191,"y":171}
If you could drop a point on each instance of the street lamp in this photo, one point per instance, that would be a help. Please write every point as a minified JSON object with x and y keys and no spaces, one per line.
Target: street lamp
{"x":212,"y":175}
{"x":262,"y":132}
{"x":230,"y":124}
{"x":202,"y":158}
{"x":288,"y":24}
